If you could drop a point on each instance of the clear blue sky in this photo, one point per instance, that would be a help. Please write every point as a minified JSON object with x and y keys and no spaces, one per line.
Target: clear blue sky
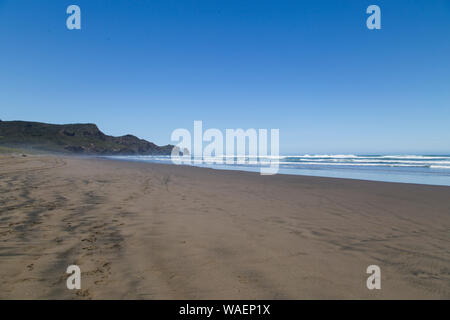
{"x":310,"y":68}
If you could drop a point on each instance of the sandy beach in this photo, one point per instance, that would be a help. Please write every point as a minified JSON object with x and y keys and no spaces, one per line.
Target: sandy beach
{"x":155,"y":231}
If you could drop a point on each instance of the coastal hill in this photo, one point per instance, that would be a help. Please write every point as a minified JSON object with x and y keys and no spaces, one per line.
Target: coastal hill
{"x":73,"y":138}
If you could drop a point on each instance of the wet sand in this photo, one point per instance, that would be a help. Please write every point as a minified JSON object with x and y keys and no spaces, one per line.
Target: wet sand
{"x":154,"y":231}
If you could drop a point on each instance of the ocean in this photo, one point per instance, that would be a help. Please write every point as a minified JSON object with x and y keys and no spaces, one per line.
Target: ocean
{"x":421,"y":169}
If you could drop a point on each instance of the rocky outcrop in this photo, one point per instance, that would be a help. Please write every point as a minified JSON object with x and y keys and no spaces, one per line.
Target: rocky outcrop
{"x":74,"y":138}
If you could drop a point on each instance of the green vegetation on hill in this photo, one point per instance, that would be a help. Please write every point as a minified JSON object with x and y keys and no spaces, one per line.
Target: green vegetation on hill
{"x":73,"y":138}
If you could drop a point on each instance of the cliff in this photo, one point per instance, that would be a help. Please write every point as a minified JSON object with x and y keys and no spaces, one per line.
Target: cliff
{"x":74,"y":138}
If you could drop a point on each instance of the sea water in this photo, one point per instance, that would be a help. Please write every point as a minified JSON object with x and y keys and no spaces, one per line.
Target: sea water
{"x":421,"y":169}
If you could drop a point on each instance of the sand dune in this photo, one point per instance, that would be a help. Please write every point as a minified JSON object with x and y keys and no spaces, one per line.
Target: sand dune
{"x":152,"y":231}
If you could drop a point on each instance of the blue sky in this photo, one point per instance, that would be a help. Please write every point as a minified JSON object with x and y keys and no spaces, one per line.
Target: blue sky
{"x":310,"y":68}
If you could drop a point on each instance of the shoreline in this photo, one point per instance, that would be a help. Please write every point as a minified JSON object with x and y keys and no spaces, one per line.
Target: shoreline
{"x":161,"y":231}
{"x":256,"y":172}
